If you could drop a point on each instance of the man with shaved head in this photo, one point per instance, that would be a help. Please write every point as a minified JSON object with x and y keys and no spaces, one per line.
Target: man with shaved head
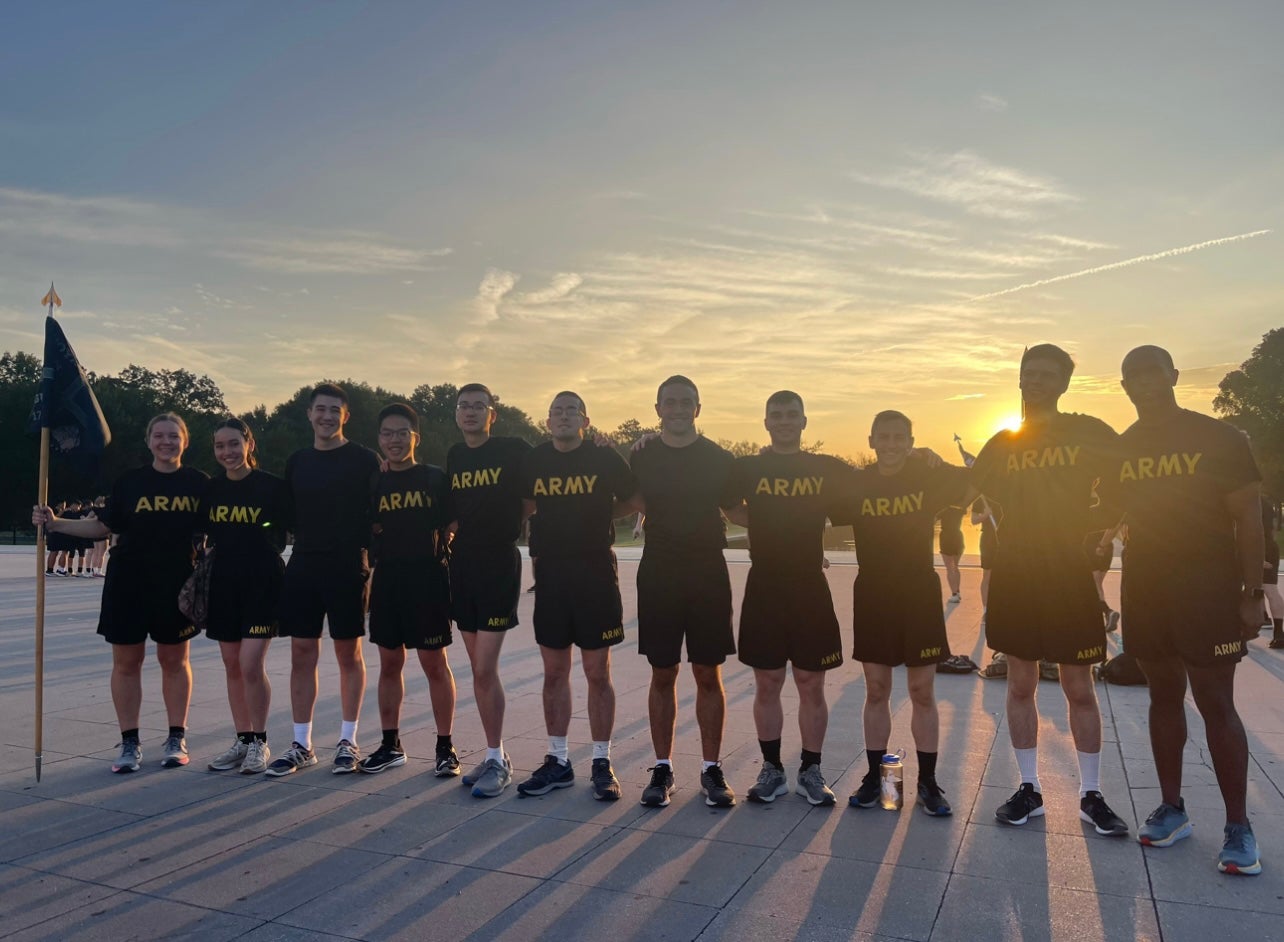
{"x":1186,"y":479}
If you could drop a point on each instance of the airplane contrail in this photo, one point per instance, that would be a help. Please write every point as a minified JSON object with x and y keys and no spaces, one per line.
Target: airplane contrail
{"x":1167,"y":253}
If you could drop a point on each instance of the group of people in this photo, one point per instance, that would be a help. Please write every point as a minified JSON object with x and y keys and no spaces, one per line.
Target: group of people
{"x":443,"y":547}
{"x":77,"y":556}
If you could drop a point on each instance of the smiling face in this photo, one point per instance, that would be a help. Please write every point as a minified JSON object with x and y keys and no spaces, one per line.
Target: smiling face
{"x":1042,"y":382}
{"x":474,"y":413}
{"x":166,"y":441}
{"x":1149,"y":378}
{"x":328,"y":415}
{"x":567,"y":418}
{"x":231,"y":450}
{"x":785,"y":422}
{"x":678,"y":408}
{"x":892,"y":442}
{"x":398,"y":439}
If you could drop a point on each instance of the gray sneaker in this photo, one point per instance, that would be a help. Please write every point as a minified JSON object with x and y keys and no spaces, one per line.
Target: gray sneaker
{"x":174,"y":754}
{"x":256,"y":758}
{"x":470,"y":778}
{"x":131,"y":756}
{"x":231,"y":759}
{"x":495,"y":777}
{"x":1166,"y":825}
{"x":811,"y":785}
{"x":771,"y":785}
{"x":346,"y":756}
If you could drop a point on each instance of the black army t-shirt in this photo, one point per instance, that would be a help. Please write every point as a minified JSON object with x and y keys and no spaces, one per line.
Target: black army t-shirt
{"x":574,"y":493}
{"x":486,"y":491}
{"x":683,"y":489}
{"x":893,"y":516}
{"x":248,"y":516}
{"x":330,"y":496}
{"x":789,"y":498}
{"x":410,"y":508}
{"x":156,"y":513}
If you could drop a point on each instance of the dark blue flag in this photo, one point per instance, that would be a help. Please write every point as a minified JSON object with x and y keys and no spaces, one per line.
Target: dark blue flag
{"x":65,"y":404}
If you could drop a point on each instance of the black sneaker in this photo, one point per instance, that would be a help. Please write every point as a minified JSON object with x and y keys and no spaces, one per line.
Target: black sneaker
{"x":552,"y":774}
{"x":717,"y":793}
{"x":932,"y":798}
{"x":870,"y":788}
{"x":385,"y":757}
{"x":1025,"y":804}
{"x":1094,"y":810}
{"x":657,"y":792}
{"x":447,"y":763}
{"x":606,"y":787}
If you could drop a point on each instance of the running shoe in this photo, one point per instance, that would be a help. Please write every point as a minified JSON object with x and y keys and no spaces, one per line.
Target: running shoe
{"x":447,"y":763}
{"x":131,"y":756}
{"x":606,"y":787}
{"x":495,"y":777}
{"x":1024,"y":804}
{"x":997,"y":668}
{"x":552,"y":774}
{"x":385,"y":757}
{"x":231,"y":759}
{"x":811,"y":785}
{"x":717,"y":793}
{"x":295,"y":758}
{"x":866,"y":796}
{"x":470,"y":778}
{"x":657,"y":792}
{"x":1239,"y":852}
{"x":1049,"y":670}
{"x":932,"y":797}
{"x":346,"y":757}
{"x":1094,"y":810}
{"x":1166,"y":825}
{"x":256,"y":758}
{"x":956,"y":597}
{"x":174,"y":753}
{"x":956,"y":664}
{"x":771,"y":785}
{"x":1112,"y":622}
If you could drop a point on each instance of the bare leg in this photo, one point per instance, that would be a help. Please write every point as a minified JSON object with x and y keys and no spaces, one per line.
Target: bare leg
{"x":127,"y":682}
{"x":1214,"y":690}
{"x":176,"y":680}
{"x":711,"y":708}
{"x":768,"y":714}
{"x":1023,"y":710}
{"x":557,"y":689}
{"x":1081,"y":702}
{"x":1167,"y":720}
{"x":601,"y":693}
{"x":258,"y":689}
{"x":231,"y":652}
{"x":441,"y":689}
{"x":813,"y":711}
{"x":304,"y":654}
{"x":925,"y":720}
{"x":392,"y":686}
{"x":483,"y":653}
{"x":662,"y":709}
{"x":352,"y":677}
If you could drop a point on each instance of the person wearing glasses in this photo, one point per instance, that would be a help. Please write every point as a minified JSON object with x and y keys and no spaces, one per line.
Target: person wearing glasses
{"x":486,"y":567}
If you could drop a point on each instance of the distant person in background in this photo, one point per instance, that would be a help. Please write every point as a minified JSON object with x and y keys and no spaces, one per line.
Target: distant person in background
{"x":1271,"y":573}
{"x":951,"y":546}
{"x":1100,"y":551}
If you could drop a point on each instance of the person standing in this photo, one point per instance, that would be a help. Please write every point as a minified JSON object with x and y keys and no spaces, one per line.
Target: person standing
{"x":154,"y":511}
{"x":327,"y":579}
{"x":951,"y":546}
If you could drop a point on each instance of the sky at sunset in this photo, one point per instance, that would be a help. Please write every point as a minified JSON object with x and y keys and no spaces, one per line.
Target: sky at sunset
{"x":877,"y":205}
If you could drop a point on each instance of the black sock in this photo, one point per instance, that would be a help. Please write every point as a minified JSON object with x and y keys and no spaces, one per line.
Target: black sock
{"x":809,"y":758}
{"x":771,"y":752}
{"x":391,"y":737}
{"x":444,"y":743}
{"x":245,"y":737}
{"x":129,"y":734}
{"x":926,"y":766}
{"x":179,"y":731}
{"x":875,"y":757}
{"x":261,"y":737}
{"x":1278,"y":625}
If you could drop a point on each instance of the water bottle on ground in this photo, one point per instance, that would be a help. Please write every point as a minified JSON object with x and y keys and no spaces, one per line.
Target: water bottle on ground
{"x":892,"y":781}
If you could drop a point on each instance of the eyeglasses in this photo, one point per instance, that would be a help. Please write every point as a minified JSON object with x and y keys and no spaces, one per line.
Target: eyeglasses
{"x":471,"y":407}
{"x":400,"y":434}
{"x":570,"y":412}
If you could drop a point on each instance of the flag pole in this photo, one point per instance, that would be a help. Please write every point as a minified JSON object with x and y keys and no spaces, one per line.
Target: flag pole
{"x":42,"y":500}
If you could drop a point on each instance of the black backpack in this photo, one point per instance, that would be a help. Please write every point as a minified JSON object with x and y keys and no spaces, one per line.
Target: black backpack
{"x":1122,"y":669}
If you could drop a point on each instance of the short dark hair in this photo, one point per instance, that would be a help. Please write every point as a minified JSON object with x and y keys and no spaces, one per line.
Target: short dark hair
{"x":1162,"y":356}
{"x":238,"y":426}
{"x":400,"y":409}
{"x":574,"y":395}
{"x":1050,"y":351}
{"x":676,"y":378}
{"x":475,"y":388}
{"x":784,"y":396}
{"x":891,"y":415}
{"x":329,"y":389}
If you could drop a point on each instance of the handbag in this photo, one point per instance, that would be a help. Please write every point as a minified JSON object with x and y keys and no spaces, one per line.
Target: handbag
{"x":194,"y":596}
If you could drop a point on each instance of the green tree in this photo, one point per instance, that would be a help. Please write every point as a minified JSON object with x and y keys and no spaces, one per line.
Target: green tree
{"x":1252,"y":398}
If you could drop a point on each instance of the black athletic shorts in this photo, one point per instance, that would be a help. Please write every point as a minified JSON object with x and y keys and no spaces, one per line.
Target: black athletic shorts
{"x":989,"y":548}
{"x":325,"y":587}
{"x":1271,"y":561}
{"x":485,"y":584}
{"x":140,"y":601}
{"x":789,"y":618}
{"x":898,"y":618}
{"x":951,"y":542}
{"x":1183,"y":609}
{"x":410,"y":604}
{"x":1044,"y":606}
{"x":684,"y":597}
{"x":577,"y":601}
{"x":245,"y":596}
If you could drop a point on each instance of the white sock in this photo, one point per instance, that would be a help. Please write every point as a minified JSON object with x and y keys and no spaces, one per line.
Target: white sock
{"x":664,"y":762}
{"x":348,"y":731}
{"x":1028,"y":763}
{"x":601,"y":749}
{"x":557,"y":747}
{"x":1089,"y":772}
{"x":707,"y":764}
{"x":303,"y":734}
{"x":497,"y":753}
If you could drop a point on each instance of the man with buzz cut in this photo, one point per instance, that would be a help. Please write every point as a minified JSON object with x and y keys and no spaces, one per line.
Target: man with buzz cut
{"x":1043,"y":604}
{"x":410,"y":590}
{"x":684,"y":592}
{"x":1188,"y":480}
{"x":486,"y":567}
{"x":327,"y":579}
{"x":896,"y":598}
{"x":575,"y":490}
{"x":787,"y":617}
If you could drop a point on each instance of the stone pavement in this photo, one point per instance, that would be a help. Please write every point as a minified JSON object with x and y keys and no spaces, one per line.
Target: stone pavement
{"x":404,"y":855}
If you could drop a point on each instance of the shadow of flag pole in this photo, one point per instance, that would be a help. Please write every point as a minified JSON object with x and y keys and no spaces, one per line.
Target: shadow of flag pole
{"x":66,"y":412}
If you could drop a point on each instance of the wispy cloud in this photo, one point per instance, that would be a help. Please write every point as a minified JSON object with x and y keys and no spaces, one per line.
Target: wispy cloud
{"x":562,"y":285}
{"x":347,"y":253}
{"x":988,"y":102}
{"x":970,"y":182}
{"x":1153,"y":257}
{"x":96,"y":219}
{"x":495,"y":285}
